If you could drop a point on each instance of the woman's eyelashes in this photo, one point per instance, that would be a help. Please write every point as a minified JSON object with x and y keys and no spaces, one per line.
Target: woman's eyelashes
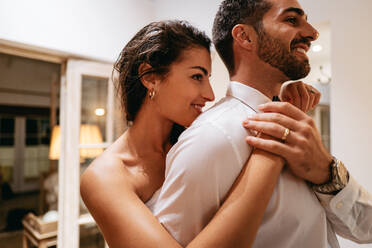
{"x":198,"y":77}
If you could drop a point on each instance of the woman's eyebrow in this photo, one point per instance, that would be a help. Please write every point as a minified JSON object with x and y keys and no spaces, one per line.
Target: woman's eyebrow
{"x":205,"y":71}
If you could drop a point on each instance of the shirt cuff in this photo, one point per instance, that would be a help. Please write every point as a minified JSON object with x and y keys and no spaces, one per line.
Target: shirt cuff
{"x":343,"y":201}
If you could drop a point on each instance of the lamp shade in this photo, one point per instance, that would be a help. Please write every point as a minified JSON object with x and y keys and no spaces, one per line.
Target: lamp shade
{"x":89,"y":134}
{"x":55,"y":143}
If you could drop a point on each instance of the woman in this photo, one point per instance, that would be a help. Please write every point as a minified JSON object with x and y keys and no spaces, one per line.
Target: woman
{"x":164,"y":84}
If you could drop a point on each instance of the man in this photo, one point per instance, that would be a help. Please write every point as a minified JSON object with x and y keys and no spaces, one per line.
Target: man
{"x":263,"y":43}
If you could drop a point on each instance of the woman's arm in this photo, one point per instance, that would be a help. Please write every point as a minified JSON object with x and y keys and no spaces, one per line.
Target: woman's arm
{"x":122,"y":217}
{"x":125,"y":221}
{"x":237,"y":221}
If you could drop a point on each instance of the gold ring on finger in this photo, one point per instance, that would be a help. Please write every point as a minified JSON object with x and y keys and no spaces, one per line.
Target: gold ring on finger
{"x":285,"y":134}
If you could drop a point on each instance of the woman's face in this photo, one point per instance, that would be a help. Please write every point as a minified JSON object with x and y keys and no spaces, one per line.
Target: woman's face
{"x":183,"y":92}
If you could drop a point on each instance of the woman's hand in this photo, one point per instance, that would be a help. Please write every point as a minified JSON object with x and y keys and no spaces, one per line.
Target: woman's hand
{"x":301,"y":145}
{"x":301,"y":95}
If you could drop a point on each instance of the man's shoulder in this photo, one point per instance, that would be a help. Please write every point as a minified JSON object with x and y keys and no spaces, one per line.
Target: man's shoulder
{"x":223,"y":110}
{"x":218,"y":132}
{"x":224,"y":119}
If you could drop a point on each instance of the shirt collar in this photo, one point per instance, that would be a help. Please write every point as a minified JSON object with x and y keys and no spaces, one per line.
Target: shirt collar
{"x":247,"y":95}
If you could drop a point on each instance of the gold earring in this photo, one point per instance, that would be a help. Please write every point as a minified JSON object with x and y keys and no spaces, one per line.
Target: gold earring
{"x":152,"y":94}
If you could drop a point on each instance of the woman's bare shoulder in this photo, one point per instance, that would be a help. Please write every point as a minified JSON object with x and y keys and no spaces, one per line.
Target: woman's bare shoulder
{"x":107,"y":171}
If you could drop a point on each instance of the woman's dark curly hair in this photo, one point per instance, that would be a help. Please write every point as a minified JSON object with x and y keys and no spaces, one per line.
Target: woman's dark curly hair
{"x":158,"y":44}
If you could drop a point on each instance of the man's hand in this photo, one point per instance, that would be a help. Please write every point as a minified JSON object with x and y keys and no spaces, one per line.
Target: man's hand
{"x":303,"y":96}
{"x":302,"y":149}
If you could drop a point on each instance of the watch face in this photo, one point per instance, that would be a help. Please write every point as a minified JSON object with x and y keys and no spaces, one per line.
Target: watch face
{"x":340,"y":178}
{"x":342,"y":172}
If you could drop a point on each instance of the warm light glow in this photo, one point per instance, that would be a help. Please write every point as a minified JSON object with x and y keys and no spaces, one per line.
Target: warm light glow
{"x":55,"y":143}
{"x":89,"y":134}
{"x":100,"y":112}
{"x":317,"y":48}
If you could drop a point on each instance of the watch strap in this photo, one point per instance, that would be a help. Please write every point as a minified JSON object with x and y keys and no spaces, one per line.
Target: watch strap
{"x":338,"y":179}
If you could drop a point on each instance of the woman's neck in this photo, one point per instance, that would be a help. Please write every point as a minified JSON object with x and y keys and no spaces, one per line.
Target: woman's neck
{"x":149,"y":133}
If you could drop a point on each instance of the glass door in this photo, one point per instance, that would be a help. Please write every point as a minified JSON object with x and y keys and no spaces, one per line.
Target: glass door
{"x":87,"y":128}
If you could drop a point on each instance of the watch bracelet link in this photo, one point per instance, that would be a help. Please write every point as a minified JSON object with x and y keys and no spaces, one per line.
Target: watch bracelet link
{"x":338,"y":179}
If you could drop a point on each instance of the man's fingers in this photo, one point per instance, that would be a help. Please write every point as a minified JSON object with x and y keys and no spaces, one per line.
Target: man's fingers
{"x":285,"y":95}
{"x":305,"y":97}
{"x":317,"y":99}
{"x":311,"y":102}
{"x":295,"y":95}
{"x":283,"y":108}
{"x":314,"y":96}
{"x":272,"y":146}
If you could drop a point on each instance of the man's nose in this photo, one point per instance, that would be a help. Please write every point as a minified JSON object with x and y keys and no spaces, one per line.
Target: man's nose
{"x":310,"y":32}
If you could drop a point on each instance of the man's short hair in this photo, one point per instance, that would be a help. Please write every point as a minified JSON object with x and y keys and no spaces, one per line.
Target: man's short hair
{"x":231,"y":13}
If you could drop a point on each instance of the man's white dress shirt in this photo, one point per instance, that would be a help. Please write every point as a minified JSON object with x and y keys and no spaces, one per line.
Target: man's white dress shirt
{"x":202,"y":166}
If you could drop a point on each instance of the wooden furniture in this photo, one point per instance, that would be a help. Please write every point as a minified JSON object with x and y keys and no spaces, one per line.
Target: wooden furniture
{"x":44,"y":234}
{"x":39,"y":233}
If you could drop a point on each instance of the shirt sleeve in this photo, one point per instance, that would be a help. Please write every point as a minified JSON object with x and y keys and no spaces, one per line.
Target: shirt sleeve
{"x":201,"y":169}
{"x":350,"y":212}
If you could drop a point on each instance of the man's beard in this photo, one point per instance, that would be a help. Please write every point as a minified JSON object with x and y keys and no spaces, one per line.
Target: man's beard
{"x":272,"y":51}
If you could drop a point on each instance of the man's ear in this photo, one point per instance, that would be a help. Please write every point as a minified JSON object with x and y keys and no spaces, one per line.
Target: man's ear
{"x":147,"y":78}
{"x":245,"y":36}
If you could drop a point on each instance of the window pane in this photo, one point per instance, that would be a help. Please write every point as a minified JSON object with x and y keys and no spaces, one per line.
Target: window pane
{"x":120,"y":122}
{"x":6,"y":163}
{"x":31,"y":126}
{"x":31,"y":132}
{"x":7,"y":141}
{"x":6,"y":131}
{"x":94,"y":108}
{"x":45,"y":132}
{"x":7,"y":126}
{"x":37,"y":148}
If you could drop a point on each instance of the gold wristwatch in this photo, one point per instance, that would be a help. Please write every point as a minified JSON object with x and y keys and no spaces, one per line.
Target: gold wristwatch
{"x":339,"y":177}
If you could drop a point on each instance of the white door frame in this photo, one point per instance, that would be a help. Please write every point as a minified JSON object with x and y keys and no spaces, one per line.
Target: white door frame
{"x":69,"y":163}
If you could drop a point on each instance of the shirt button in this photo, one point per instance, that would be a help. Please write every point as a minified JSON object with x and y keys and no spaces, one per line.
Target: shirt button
{"x":339,"y":205}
